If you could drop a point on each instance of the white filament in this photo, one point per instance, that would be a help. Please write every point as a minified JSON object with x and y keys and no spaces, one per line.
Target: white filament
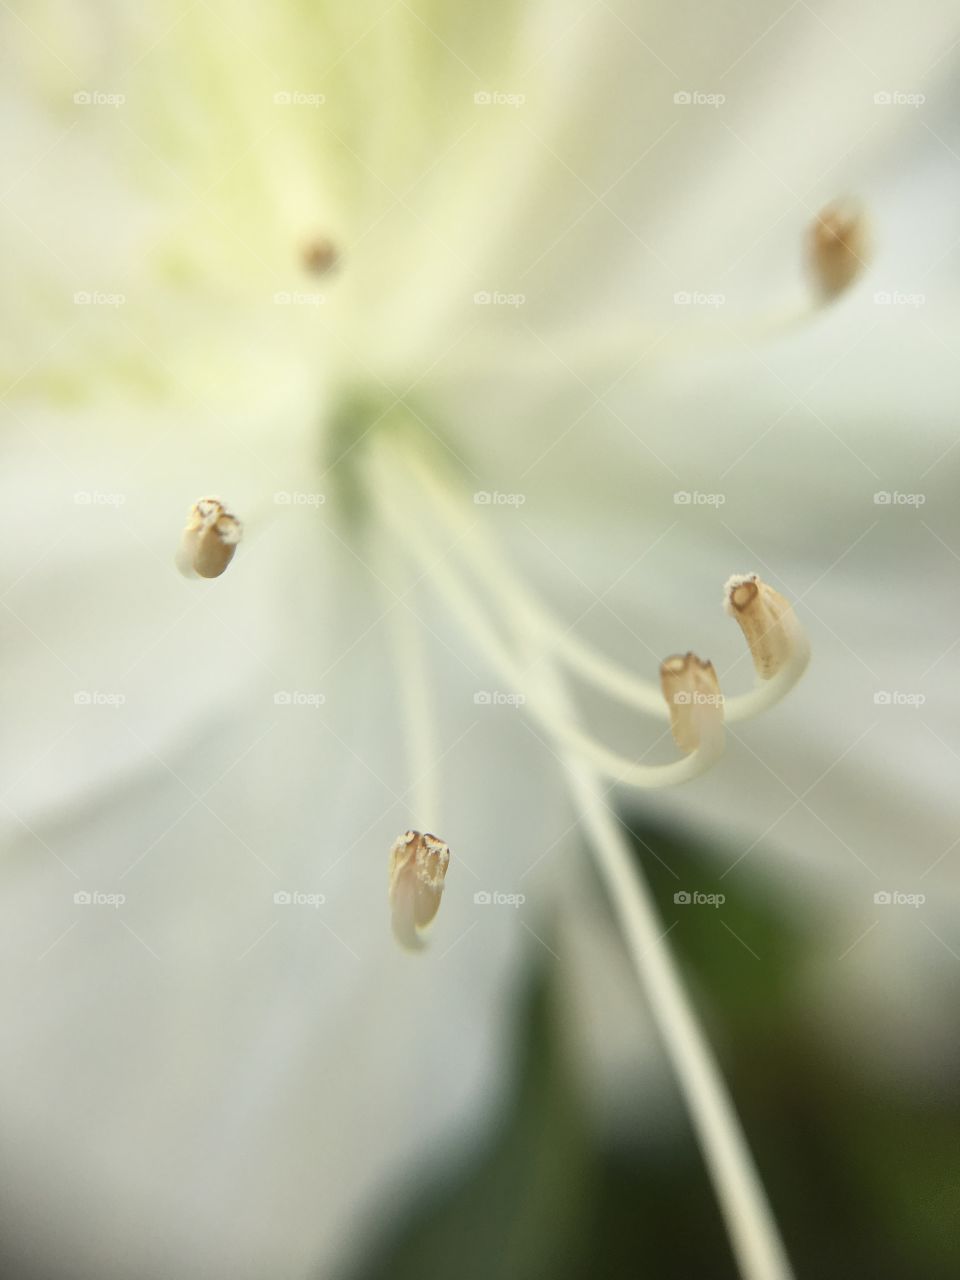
{"x":416,"y":704}
{"x":617,"y":681}
{"x":403,"y":519}
{"x":622,"y":684}
{"x":754,"y":1237}
{"x":767,"y":693}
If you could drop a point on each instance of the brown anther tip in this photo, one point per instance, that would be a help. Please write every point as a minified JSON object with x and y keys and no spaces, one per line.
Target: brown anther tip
{"x":692,"y":694}
{"x":766,"y":620}
{"x":839,"y":248}
{"x":320,"y":256}
{"x":209,"y":540}
{"x":418,"y":868}
{"x":677,"y":663}
{"x":743,"y":594}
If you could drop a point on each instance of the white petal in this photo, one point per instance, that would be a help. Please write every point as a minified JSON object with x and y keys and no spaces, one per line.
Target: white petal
{"x":201,"y":1049}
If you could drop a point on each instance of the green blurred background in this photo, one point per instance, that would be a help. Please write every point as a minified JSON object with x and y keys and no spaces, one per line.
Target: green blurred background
{"x":864,"y":1177}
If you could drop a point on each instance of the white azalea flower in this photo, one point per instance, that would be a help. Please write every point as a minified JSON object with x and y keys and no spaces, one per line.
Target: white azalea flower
{"x":349,"y":269}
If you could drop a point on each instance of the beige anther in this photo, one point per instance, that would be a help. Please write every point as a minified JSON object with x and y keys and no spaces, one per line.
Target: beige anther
{"x":209,"y":539}
{"x":767,"y":621}
{"x":418,"y":867}
{"x":692,"y":693}
{"x":839,"y":249}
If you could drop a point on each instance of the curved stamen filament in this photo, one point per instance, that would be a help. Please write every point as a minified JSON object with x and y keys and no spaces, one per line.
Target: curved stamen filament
{"x":837,"y":251}
{"x":455,"y":594}
{"x":620,"y":683}
{"x":777,"y":642}
{"x":604,"y":674}
{"x":604,"y":356}
{"x":416,"y":702}
{"x":778,"y":647}
{"x":750,"y":1223}
{"x":418,"y":859}
{"x":766,"y":694}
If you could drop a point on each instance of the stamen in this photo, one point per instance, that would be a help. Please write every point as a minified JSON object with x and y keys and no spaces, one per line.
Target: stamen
{"x":418,"y":863}
{"x":766,"y":620}
{"x":753,"y":1232}
{"x":394,"y":504}
{"x":692,"y":692}
{"x":750,"y":1223}
{"x":209,"y":539}
{"x":778,"y":643}
{"x":522,"y":605}
{"x":418,"y":868}
{"x":320,"y":256}
{"x":839,"y":248}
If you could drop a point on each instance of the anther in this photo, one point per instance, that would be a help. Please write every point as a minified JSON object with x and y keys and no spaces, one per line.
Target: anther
{"x":692,"y":693}
{"x":839,"y":248}
{"x":767,"y":621}
{"x":209,"y":539}
{"x":320,"y":256}
{"x":418,"y":867}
